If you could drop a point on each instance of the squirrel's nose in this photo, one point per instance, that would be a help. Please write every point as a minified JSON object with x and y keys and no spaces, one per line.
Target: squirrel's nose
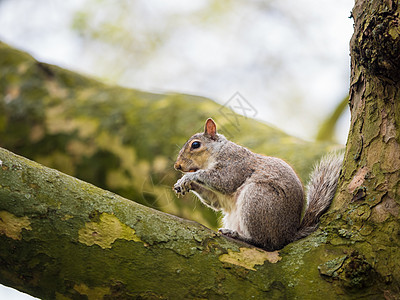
{"x":177,"y":166}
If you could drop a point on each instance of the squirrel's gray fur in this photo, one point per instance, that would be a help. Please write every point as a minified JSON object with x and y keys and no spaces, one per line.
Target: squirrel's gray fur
{"x":261,"y":197}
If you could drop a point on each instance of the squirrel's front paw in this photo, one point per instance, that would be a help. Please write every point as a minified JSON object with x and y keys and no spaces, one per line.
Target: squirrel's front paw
{"x":229,"y":232}
{"x":182,"y":186}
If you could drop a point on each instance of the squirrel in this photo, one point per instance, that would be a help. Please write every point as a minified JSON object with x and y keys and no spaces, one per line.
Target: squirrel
{"x":261,"y":197}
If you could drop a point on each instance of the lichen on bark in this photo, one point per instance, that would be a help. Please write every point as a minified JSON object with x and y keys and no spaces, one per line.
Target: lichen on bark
{"x":106,"y":231}
{"x":12,"y":226}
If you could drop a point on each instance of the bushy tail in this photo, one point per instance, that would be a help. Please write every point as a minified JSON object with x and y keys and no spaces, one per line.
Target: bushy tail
{"x":320,"y":192}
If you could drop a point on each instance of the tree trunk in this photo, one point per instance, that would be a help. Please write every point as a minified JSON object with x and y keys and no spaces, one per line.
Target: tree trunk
{"x":364,"y":218}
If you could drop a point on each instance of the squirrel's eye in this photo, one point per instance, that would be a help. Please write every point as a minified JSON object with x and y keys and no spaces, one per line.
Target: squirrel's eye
{"x":195,"y":145}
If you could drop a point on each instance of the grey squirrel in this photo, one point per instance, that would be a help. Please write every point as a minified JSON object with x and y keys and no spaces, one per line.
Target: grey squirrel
{"x":261,"y":197}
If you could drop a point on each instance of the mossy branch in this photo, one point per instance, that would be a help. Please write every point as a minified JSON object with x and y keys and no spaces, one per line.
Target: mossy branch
{"x":64,"y":238}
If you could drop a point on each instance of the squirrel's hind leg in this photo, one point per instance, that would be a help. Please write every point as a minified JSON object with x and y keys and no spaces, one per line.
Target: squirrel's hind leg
{"x":235,"y":235}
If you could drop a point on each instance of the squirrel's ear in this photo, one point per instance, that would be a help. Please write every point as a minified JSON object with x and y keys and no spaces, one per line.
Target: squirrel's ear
{"x":210,"y":128}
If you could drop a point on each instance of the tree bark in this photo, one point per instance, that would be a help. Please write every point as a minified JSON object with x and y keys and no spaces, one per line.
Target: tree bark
{"x":364,"y":218}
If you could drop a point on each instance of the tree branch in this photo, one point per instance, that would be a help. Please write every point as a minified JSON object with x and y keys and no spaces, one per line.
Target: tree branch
{"x":61,"y":238}
{"x":64,"y":237}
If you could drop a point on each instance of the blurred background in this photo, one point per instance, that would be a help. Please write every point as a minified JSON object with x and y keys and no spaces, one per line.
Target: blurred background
{"x":288,"y":59}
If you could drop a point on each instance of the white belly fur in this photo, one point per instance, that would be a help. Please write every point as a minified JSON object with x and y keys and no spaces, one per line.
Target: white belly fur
{"x":233,"y":218}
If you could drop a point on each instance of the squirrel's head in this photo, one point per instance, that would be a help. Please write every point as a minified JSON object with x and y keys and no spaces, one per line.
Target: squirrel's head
{"x":199,"y":151}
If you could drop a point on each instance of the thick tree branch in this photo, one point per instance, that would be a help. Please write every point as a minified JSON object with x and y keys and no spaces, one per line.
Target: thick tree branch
{"x":63,"y":237}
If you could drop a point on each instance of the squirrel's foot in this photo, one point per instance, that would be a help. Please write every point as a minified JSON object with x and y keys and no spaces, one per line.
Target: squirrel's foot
{"x":182,"y":186}
{"x":229,"y":232}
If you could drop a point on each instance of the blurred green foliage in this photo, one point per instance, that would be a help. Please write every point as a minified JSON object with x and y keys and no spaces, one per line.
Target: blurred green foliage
{"x":326,"y":131}
{"x":120,"y":139}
